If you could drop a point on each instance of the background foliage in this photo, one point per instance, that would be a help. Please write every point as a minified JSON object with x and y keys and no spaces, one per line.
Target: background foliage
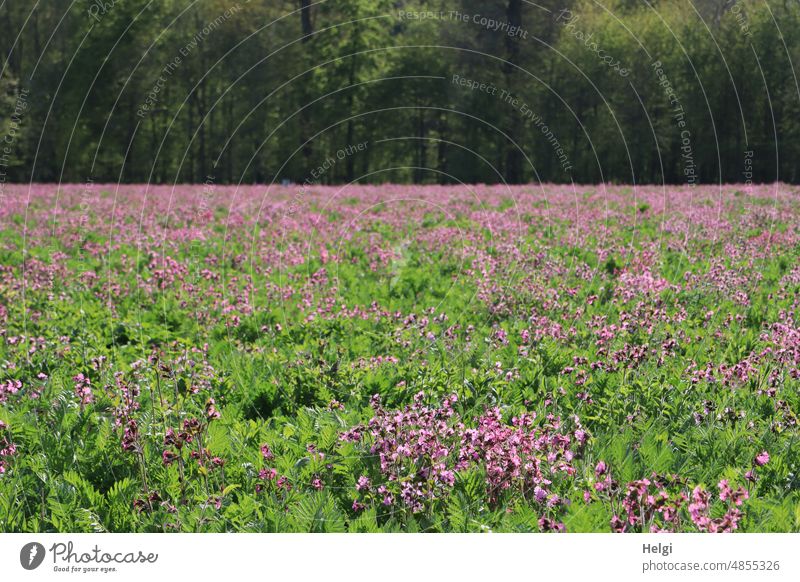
{"x":275,"y":87}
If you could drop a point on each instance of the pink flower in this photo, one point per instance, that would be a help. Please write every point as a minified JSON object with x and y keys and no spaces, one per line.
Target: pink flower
{"x":267,"y":474}
{"x":547,"y":524}
{"x":211,"y":410}
{"x":762,"y":459}
{"x":698,"y":508}
{"x":726,"y":493}
{"x":83,"y":389}
{"x":266,"y":452}
{"x":617,"y":525}
{"x":581,"y":436}
{"x":724,"y":490}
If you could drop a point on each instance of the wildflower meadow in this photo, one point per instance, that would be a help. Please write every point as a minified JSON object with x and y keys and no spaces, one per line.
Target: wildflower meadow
{"x":387,"y":358}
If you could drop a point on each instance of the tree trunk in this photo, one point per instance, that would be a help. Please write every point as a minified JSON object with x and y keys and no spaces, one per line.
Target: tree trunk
{"x":513,"y":161}
{"x":307,"y":28}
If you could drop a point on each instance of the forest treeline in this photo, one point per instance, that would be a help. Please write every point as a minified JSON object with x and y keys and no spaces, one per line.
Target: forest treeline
{"x":332,"y":91}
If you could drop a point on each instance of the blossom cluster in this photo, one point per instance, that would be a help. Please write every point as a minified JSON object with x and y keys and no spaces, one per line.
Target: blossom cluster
{"x":422,"y":449}
{"x":665,"y":503}
{"x":7,"y":448}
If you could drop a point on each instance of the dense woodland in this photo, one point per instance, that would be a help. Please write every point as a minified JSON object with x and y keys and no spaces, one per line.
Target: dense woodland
{"x":643,"y":91}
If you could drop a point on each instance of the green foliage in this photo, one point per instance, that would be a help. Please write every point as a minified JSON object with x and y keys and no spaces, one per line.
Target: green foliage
{"x":589,"y":72}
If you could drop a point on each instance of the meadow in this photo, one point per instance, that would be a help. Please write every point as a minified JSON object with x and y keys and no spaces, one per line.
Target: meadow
{"x":399,"y":358}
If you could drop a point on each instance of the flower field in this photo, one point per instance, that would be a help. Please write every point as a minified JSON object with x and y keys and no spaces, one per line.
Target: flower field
{"x":399,"y":358}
